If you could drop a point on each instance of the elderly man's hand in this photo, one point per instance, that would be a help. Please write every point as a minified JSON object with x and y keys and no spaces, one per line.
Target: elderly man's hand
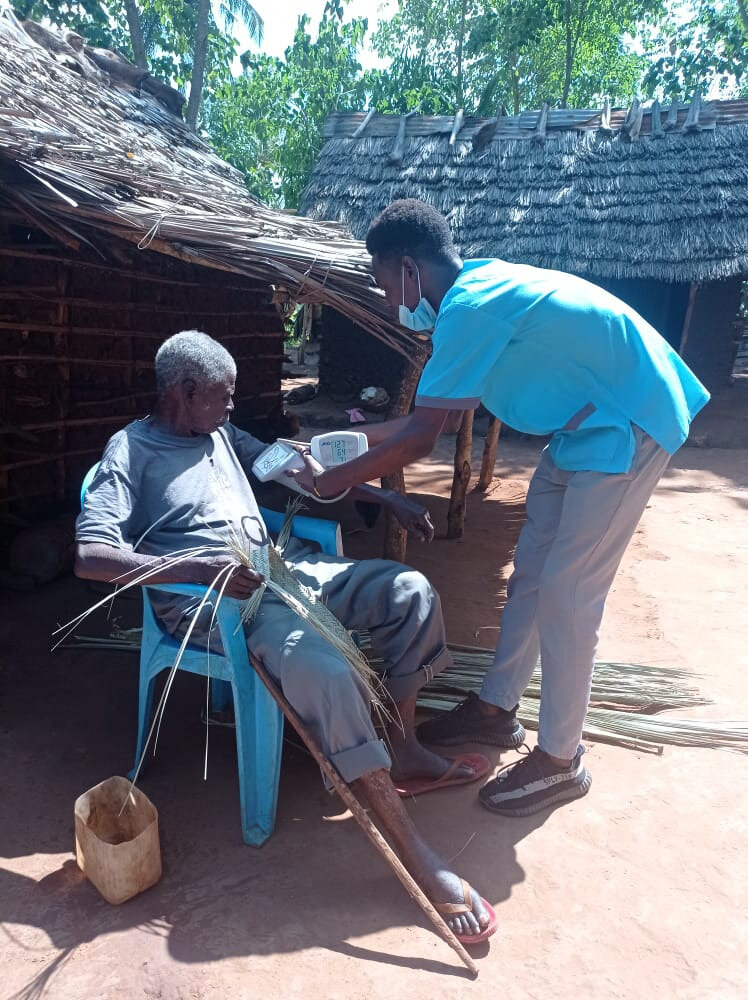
{"x":242,"y":583}
{"x":413,"y":516}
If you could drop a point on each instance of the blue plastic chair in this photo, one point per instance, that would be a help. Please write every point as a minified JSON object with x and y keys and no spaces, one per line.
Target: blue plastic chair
{"x":259,"y":721}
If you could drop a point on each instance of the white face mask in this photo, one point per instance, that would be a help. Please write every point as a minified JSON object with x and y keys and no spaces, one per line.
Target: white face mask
{"x":422,"y":319}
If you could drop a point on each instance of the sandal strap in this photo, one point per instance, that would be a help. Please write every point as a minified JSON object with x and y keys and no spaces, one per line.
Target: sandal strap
{"x":455,"y":909}
{"x":457,"y":762}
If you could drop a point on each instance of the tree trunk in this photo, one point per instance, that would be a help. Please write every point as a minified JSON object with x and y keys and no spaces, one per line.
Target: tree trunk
{"x":461,"y":480}
{"x":460,"y":45}
{"x":489,"y":453}
{"x":569,"y":59}
{"x":743,"y":11}
{"x":136,"y":34}
{"x":200,"y":57}
{"x":514,"y":76}
{"x":395,"y":536}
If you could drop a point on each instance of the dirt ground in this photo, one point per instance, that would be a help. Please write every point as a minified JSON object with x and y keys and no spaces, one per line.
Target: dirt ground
{"x":639,"y":889}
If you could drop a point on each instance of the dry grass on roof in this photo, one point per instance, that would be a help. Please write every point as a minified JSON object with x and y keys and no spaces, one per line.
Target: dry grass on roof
{"x":672,"y":207}
{"x":84,"y":159}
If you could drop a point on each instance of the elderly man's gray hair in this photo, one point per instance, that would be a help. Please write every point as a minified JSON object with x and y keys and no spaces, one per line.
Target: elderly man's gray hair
{"x":195,"y":355}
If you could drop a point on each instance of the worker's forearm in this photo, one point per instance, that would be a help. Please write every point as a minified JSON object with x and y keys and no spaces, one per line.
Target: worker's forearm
{"x":388,"y":457}
{"x":377,"y":433}
{"x":107,"y":563}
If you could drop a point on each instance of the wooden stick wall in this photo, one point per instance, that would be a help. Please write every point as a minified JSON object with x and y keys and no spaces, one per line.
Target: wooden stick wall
{"x":77,"y":339}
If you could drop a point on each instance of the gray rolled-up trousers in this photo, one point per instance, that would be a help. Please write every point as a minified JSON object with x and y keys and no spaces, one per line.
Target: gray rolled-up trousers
{"x":403,"y":614}
{"x":577,"y":529}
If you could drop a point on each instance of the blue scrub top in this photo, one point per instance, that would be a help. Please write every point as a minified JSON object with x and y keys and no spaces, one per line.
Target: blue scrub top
{"x":550,"y":353}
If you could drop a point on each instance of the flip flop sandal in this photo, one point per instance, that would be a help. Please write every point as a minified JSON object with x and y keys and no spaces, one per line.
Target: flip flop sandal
{"x":419,"y":786}
{"x":455,"y":909}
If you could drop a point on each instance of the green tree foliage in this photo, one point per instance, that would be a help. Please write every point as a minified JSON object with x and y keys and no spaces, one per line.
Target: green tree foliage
{"x":519,"y":53}
{"x":269,"y":121}
{"x":701,"y":47}
{"x":102,"y":25}
{"x":440,"y":55}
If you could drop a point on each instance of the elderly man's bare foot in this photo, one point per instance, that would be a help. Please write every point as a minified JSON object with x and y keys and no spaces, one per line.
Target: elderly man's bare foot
{"x":443,"y":886}
{"x":411,"y":759}
{"x":439,"y":883}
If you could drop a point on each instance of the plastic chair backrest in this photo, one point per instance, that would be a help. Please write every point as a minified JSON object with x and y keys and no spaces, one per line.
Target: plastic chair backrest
{"x":87,"y":481}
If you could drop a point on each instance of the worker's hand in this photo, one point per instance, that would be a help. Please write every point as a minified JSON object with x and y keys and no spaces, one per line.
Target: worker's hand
{"x":413,"y":516}
{"x":305,"y":477}
{"x":242,"y":583}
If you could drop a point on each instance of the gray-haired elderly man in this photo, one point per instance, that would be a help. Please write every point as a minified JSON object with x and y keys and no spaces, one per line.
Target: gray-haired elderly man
{"x":178,"y":479}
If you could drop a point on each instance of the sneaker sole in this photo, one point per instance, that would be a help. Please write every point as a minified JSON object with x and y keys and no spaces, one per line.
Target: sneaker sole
{"x":573,"y":791}
{"x":509,"y":741}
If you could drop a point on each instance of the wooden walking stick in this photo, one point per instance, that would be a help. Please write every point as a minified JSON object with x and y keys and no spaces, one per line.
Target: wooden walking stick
{"x":360,"y":815}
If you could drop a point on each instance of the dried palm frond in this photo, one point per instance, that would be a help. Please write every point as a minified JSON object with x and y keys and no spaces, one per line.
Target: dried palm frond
{"x":159,"y":564}
{"x":631,"y":687}
{"x":278,"y":578}
{"x":623,"y":698}
{"x":281,"y":581}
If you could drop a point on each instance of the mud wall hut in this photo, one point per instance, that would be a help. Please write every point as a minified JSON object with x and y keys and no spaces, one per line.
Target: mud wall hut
{"x":650,"y":202}
{"x":118,"y":227}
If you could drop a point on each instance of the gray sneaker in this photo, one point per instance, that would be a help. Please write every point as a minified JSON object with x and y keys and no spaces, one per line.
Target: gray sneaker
{"x":534,"y":783}
{"x":467,"y":724}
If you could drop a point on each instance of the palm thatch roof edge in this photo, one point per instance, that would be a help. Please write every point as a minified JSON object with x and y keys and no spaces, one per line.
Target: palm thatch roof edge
{"x":87,"y":154}
{"x":657,"y":193}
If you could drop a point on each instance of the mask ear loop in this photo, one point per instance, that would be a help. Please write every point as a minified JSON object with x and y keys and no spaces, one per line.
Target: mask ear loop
{"x":402,"y":279}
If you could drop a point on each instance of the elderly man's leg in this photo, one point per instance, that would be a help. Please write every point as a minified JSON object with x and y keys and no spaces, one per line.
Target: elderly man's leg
{"x":402,"y":611}
{"x":327,"y":694}
{"x":332,"y":701}
{"x":436,"y":879}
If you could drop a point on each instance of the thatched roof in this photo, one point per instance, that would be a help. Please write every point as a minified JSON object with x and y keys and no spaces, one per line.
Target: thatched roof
{"x":638,"y":193}
{"x":89,"y":150}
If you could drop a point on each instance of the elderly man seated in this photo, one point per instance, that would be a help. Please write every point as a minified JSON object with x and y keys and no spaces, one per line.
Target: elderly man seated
{"x":177,"y":480}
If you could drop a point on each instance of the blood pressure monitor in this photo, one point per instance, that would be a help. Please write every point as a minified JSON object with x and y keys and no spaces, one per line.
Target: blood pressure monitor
{"x":329,"y":450}
{"x":276,"y":460}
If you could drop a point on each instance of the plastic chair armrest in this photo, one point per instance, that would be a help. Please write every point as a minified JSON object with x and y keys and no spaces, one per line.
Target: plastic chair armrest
{"x":190,"y":589}
{"x":227,"y":612}
{"x":311,"y":529}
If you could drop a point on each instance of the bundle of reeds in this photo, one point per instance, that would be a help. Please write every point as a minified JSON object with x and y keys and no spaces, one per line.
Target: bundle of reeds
{"x":622,"y":700}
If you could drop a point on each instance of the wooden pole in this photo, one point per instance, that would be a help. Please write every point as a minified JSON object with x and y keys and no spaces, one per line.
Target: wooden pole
{"x":61,"y":392}
{"x":395,"y":536}
{"x":489,"y":453}
{"x":461,"y":479}
{"x":689,"y":315}
{"x":362,"y":818}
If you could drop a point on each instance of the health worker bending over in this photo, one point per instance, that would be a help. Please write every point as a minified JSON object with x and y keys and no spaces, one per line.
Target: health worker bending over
{"x":547,"y":353}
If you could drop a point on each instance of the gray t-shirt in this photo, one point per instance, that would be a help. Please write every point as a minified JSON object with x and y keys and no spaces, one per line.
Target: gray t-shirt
{"x":159,"y":493}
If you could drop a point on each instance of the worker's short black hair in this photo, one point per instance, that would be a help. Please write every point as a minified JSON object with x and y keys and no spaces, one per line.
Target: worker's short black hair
{"x":413,"y":228}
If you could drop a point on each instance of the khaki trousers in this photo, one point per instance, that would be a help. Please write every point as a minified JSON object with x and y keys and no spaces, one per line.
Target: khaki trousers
{"x":578,"y":526}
